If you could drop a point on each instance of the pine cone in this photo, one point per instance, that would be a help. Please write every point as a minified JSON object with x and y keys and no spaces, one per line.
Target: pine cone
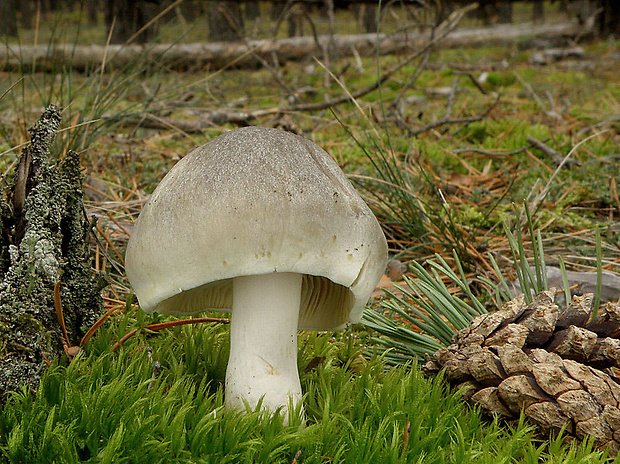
{"x":546,"y":362}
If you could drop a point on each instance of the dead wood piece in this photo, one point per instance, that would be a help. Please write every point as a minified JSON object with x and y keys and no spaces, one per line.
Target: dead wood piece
{"x":553,"y":379}
{"x":577,"y":312}
{"x":547,"y":415}
{"x":606,"y":353}
{"x":552,"y":55}
{"x":582,"y":283}
{"x":513,"y":334}
{"x":573,"y":343}
{"x":486,"y":368}
{"x":579,"y":405}
{"x":520,"y":391}
{"x":514,"y":360}
{"x":218,"y":55}
{"x":205,"y":121}
{"x":49,"y":268}
{"x":488,"y":399}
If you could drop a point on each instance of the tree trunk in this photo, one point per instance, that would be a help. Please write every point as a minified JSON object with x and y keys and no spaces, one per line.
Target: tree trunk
{"x":49,"y":295}
{"x":27,"y":10}
{"x":295,"y":19}
{"x":225,"y":21}
{"x":563,"y":6}
{"x":370,"y":18}
{"x":505,"y":13}
{"x":277,"y":9}
{"x":8,"y":18}
{"x":252,"y":10}
{"x":538,"y":11}
{"x":92,"y":7}
{"x":608,"y":21}
{"x":128,"y":17}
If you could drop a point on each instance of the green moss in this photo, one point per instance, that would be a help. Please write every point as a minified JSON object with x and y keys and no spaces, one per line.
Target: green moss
{"x":120,"y":407}
{"x":501,"y":79}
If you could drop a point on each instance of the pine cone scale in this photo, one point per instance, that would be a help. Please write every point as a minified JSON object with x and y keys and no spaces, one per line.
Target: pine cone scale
{"x":553,"y":379}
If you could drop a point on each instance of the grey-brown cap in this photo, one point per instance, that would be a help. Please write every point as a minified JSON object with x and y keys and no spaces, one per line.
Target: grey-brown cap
{"x":256,"y":201}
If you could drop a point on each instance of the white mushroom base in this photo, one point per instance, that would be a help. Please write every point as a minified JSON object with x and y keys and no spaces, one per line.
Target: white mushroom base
{"x":263,"y":342}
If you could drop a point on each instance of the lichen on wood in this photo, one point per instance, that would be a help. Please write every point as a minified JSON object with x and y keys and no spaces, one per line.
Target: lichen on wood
{"x":43,"y":240}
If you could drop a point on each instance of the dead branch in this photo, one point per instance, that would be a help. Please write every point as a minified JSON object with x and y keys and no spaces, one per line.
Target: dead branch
{"x":554,"y":155}
{"x":480,"y":151}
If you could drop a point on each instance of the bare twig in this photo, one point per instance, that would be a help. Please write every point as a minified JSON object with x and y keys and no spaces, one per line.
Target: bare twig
{"x":448,"y":121}
{"x":445,"y":29}
{"x":545,"y":148}
{"x":451,"y":97}
{"x":414,"y":77}
{"x":274,"y":72}
{"x":610,"y":120}
{"x":545,"y":191}
{"x":296,"y":457}
{"x":554,"y":155}
{"x":531,"y":91}
{"x":489,"y":153}
{"x":476,"y":83}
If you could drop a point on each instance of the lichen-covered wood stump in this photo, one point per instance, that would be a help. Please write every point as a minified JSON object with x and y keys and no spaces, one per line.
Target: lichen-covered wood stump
{"x":553,"y":365}
{"x":43,"y":242}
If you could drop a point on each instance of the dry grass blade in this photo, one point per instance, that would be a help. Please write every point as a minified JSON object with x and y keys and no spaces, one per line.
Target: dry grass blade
{"x":4,"y":94}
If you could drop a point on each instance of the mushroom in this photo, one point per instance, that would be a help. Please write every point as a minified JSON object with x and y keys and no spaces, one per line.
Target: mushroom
{"x":263,"y":224}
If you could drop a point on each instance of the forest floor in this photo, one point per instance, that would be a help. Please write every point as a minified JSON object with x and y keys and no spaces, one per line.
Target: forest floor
{"x":470,"y":133}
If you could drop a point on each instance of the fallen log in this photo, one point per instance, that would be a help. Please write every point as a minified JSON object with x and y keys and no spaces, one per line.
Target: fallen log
{"x":217,"y":55}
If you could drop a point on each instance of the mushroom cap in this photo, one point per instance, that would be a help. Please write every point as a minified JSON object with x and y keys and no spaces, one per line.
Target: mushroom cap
{"x":256,"y":201}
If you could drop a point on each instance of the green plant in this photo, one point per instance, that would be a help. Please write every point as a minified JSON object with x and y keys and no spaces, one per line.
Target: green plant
{"x":423,"y":316}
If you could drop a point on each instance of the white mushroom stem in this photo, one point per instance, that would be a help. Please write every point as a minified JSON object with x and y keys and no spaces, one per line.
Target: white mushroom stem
{"x":263,"y":342}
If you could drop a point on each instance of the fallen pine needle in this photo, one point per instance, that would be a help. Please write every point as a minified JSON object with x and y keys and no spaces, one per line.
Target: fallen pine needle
{"x":164,"y":325}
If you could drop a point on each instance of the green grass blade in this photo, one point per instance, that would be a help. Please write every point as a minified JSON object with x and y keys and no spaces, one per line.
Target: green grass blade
{"x":565,"y":284}
{"x":599,"y":274}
